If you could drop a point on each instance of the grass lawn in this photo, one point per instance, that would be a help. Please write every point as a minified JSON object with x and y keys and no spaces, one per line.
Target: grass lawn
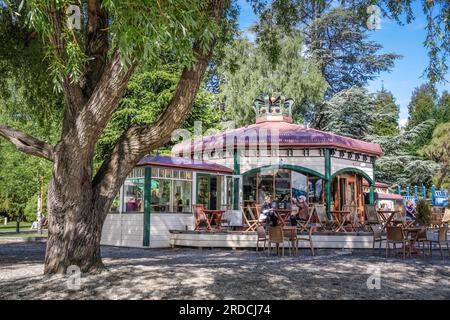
{"x":11,"y":226}
{"x":23,"y":235}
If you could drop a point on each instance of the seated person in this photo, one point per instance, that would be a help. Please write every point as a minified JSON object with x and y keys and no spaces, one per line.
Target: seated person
{"x":410,"y":211}
{"x":302,"y":213}
{"x":267,"y":212}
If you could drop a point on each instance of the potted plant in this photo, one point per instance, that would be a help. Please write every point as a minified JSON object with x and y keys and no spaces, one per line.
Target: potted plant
{"x":424,"y":214}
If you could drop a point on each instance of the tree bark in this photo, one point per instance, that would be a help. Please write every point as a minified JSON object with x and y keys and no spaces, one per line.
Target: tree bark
{"x":77,"y":203}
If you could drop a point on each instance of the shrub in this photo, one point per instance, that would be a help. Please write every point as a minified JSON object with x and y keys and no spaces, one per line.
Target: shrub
{"x":424,"y":214}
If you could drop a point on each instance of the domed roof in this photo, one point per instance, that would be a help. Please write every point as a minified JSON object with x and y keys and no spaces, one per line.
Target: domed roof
{"x":273,"y":131}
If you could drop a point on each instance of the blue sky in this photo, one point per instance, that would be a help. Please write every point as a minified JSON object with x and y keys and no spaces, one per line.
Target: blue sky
{"x":405,"y":40}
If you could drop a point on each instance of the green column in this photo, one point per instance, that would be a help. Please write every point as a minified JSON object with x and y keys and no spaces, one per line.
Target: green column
{"x":147,"y":205}
{"x":237,"y":171}
{"x":327,"y":180}
{"x":372,"y":184}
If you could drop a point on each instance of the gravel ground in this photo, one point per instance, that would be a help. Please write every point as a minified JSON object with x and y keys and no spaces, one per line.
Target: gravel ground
{"x":227,"y":274}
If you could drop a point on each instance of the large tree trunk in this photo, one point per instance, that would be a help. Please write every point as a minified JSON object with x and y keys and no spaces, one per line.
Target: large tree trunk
{"x":75,"y":220}
{"x":78,"y":202}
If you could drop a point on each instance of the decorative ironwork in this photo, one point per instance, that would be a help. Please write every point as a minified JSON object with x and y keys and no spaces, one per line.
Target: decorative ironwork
{"x":273,"y":106}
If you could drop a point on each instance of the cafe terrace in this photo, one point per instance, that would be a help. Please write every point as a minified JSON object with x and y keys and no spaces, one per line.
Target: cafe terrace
{"x":235,"y":169}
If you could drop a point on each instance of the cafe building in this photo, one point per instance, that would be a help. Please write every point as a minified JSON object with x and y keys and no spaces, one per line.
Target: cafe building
{"x":273,"y":157}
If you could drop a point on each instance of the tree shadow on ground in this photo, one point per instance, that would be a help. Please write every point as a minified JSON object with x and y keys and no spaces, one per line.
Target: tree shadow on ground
{"x":241,"y":274}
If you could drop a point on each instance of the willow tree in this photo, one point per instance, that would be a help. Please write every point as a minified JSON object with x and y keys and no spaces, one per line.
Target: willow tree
{"x":92,"y":57}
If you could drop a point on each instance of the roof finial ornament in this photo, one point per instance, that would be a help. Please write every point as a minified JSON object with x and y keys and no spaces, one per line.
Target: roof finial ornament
{"x":273,"y":106}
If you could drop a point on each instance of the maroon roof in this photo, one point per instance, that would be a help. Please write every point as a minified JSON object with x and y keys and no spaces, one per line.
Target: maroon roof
{"x":377,"y":184}
{"x":389,"y":196}
{"x":183,"y":163}
{"x":283,"y":133}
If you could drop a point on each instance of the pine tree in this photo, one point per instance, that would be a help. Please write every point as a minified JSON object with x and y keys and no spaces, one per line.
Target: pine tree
{"x":385,"y":104}
{"x":350,"y":113}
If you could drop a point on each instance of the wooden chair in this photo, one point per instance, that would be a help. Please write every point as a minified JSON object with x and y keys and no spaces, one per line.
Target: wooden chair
{"x":304,"y":224}
{"x":436,"y":219}
{"x":262,"y":237}
{"x":394,"y":236}
{"x":307,"y":238}
{"x":442,"y":239}
{"x":377,"y":235}
{"x":354,"y":220}
{"x":200,"y":216}
{"x":249,"y":219}
{"x":372,"y":217}
{"x":276,"y":236}
{"x":324,"y":221}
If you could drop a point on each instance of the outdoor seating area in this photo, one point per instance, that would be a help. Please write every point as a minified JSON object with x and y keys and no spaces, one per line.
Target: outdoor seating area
{"x":277,"y":231}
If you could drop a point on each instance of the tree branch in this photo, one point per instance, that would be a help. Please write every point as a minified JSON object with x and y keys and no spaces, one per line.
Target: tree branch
{"x":137,"y":141}
{"x":26,"y":143}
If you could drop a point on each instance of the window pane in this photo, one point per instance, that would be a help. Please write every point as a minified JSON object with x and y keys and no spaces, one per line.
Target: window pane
{"x":176,"y":174}
{"x":283,"y":188}
{"x":182,"y":191}
{"x":168,"y":173}
{"x":315,"y":190}
{"x":182,"y":174}
{"x":134,"y":195}
{"x":154,"y":172}
{"x":299,"y":187}
{"x":265,"y":185}
{"x":160,"y":195}
{"x":189,"y":175}
{"x":249,"y":188}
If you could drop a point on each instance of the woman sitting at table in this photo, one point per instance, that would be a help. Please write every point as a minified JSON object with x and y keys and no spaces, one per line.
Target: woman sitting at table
{"x":410,"y":211}
{"x":302,"y":212}
{"x":267,"y":212}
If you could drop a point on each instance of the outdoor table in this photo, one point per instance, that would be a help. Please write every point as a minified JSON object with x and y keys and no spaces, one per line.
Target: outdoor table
{"x":414,"y":232}
{"x":387,"y":221}
{"x":216,"y":216}
{"x":282,"y":215}
{"x":340,"y":216}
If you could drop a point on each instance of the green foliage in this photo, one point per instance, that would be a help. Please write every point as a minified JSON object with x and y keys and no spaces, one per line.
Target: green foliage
{"x":424,"y":213}
{"x":425,"y":105}
{"x":400,"y":166}
{"x":351,"y":113}
{"x":313,"y":15}
{"x":334,"y":35}
{"x":140,"y":30}
{"x":439,"y":150}
{"x":149,"y":92}
{"x":385,"y":104}
{"x":246,"y":73}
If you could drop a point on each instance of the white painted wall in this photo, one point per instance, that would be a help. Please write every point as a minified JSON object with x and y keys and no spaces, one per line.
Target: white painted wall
{"x":127,"y":229}
{"x":341,"y":163}
{"x":123,"y":229}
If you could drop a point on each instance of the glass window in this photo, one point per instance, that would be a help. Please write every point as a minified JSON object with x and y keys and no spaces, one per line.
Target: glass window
{"x":182,"y":191}
{"x":154,"y":172}
{"x":249,"y":188}
{"x":265,"y":185}
{"x":160,"y":195}
{"x":283,"y":188}
{"x":315,"y":190}
{"x":299,"y":185}
{"x":134,"y":195}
